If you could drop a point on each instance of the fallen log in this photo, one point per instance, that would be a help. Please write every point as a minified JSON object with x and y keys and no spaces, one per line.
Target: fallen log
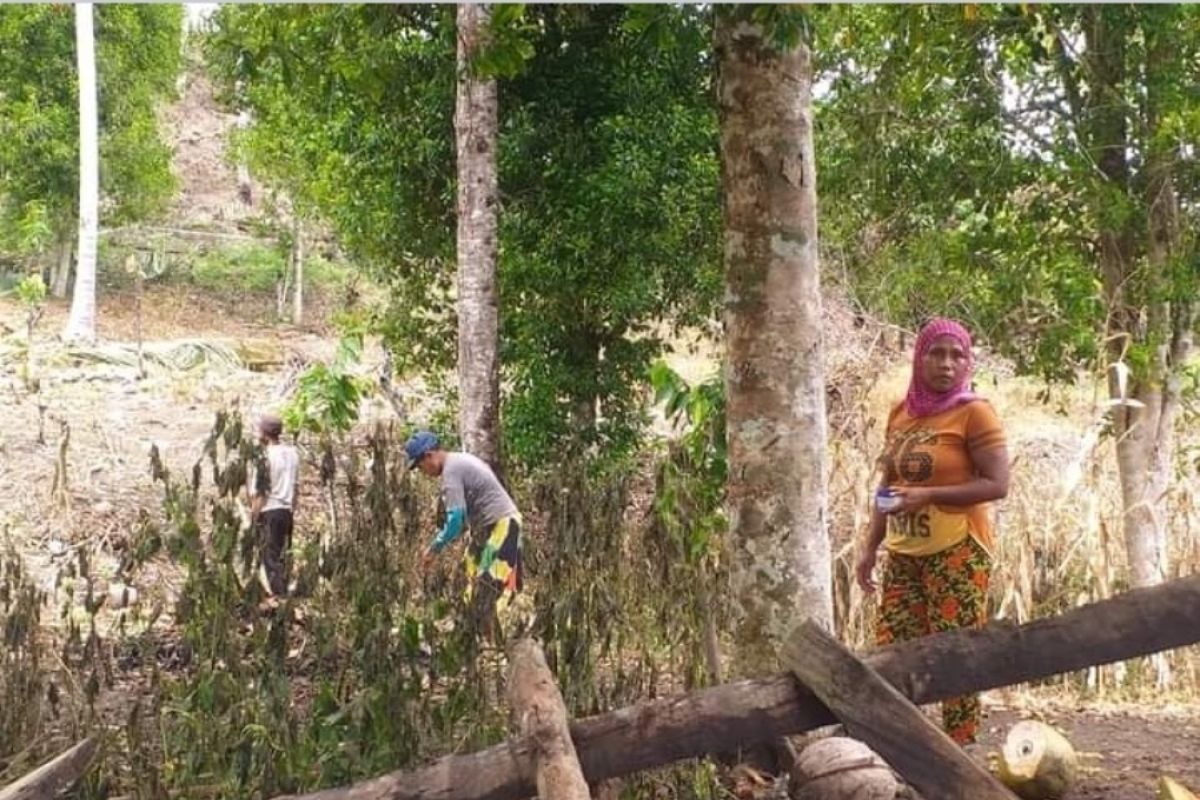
{"x":875,"y":713}
{"x":753,"y":712}
{"x":45,"y":782}
{"x":541,"y":715}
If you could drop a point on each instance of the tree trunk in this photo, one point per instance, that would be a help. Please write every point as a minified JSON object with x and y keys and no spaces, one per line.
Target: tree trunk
{"x":62,"y":268}
{"x":475,"y":126}
{"x":81,"y":324}
{"x":1145,"y":429}
{"x":776,"y":491}
{"x":297,"y":272}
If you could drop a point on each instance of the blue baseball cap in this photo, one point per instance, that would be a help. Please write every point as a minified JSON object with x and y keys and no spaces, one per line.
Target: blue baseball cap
{"x":419,"y":444}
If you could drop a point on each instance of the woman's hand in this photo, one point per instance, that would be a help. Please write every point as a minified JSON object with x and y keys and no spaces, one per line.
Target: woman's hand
{"x":912,"y":498}
{"x":864,"y":570}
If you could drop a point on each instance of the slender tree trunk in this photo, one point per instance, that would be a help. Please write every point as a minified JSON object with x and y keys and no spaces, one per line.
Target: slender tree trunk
{"x":776,"y":490}
{"x":1172,"y":322}
{"x":1145,"y":429}
{"x":475,"y":124}
{"x":297,"y":272}
{"x":81,"y":324}
{"x":62,"y":269}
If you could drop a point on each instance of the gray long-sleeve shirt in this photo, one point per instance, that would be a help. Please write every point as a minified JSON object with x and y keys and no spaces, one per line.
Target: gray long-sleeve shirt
{"x":468,"y":482}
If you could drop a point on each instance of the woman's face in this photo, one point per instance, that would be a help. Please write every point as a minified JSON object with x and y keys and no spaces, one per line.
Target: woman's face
{"x":944,"y":364}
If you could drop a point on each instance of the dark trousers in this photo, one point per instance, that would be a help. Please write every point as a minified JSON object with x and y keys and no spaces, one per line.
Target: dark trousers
{"x":275,"y":538}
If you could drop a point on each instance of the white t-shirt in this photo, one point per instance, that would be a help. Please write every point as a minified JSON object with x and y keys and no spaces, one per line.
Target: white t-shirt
{"x":284,"y":463}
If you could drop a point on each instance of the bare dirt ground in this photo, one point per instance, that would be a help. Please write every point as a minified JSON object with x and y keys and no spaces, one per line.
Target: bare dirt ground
{"x":113,"y":419}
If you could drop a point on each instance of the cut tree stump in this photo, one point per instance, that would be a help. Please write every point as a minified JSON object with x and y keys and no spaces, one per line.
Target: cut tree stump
{"x":56,"y":775}
{"x":873,"y":711}
{"x":541,"y":715}
{"x":747,"y":713}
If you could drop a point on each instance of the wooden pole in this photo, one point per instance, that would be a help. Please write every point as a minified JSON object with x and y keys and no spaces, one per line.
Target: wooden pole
{"x":875,"y":713}
{"x":54,"y":776}
{"x":542,"y":716}
{"x":748,"y":713}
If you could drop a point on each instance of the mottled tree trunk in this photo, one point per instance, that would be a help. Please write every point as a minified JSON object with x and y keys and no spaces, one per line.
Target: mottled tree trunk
{"x":776,"y":490}
{"x":81,"y":324}
{"x":1145,"y":428}
{"x":478,"y":297}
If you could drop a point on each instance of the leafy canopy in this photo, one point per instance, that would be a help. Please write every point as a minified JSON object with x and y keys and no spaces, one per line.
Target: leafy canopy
{"x":138,"y":60}
{"x":608,"y":182}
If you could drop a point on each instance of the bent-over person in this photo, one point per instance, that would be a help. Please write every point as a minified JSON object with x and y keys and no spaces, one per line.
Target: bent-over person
{"x":474,"y":499}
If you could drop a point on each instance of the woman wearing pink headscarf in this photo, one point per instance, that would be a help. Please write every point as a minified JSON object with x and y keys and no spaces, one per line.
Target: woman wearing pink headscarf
{"x":944,"y":459}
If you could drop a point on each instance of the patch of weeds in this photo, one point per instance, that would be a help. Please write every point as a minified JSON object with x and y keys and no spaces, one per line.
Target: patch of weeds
{"x":325,"y":274}
{"x":240,"y":268}
{"x":23,"y":660}
{"x":363,"y":670}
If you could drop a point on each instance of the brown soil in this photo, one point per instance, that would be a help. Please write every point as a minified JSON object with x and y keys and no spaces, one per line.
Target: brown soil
{"x":198,"y":131}
{"x":1123,"y":751}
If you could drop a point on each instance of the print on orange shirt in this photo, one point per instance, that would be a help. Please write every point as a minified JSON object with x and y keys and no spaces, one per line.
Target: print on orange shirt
{"x":933,"y":451}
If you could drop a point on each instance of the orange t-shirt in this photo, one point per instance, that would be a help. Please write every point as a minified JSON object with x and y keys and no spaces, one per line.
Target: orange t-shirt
{"x":933,"y":451}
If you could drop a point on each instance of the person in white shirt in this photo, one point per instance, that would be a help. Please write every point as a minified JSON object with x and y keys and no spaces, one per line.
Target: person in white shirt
{"x":272,"y":503}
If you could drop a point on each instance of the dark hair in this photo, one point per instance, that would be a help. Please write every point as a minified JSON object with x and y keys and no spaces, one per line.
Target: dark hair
{"x":270,"y":426}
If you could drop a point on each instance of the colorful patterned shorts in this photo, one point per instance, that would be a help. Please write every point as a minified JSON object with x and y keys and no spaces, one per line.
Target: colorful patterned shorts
{"x":495,"y":574}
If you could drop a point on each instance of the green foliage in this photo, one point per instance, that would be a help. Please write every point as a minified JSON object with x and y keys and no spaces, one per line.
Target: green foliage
{"x":509,"y":43}
{"x":328,"y":396}
{"x":258,"y":268}
{"x":688,"y":513}
{"x":27,"y":230}
{"x":31,"y":291}
{"x":614,"y":225}
{"x":608,"y":173}
{"x":138,"y":59}
{"x":243,"y":268}
{"x":691,"y":479}
{"x":960,"y":175}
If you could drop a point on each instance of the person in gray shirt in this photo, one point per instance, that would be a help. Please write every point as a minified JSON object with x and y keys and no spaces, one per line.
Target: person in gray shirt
{"x":474,"y":499}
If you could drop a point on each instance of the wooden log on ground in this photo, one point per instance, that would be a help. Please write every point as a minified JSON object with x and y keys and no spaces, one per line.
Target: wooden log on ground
{"x":748,"y":713}
{"x":542,"y":716}
{"x":56,"y":775}
{"x":874,"y":712}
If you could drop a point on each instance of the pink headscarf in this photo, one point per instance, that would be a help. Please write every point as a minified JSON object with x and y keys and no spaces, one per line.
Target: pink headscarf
{"x":923,"y":400}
